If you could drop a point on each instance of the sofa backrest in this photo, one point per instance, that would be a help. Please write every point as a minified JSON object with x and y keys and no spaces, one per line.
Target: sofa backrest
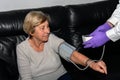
{"x":11,"y":32}
{"x":69,"y":22}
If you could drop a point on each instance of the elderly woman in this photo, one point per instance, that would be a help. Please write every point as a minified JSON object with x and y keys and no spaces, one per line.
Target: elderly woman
{"x":39,"y":55}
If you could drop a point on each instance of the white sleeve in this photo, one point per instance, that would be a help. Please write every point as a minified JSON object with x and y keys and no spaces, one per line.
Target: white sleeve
{"x":115,"y":17}
{"x":114,"y":33}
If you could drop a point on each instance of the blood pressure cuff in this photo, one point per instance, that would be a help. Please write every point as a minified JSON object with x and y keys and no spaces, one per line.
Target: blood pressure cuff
{"x":65,"y":50}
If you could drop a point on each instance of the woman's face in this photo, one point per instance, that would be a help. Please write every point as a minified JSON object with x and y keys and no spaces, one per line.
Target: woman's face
{"x":42,"y":32}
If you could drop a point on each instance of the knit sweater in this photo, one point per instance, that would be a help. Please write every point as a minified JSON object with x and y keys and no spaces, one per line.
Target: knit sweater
{"x":45,"y":65}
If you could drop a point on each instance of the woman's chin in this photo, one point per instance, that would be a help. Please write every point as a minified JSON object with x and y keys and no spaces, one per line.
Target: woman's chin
{"x":45,"y":40}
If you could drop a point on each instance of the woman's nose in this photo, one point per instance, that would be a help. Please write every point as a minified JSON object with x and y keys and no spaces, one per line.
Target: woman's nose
{"x":47,"y":30}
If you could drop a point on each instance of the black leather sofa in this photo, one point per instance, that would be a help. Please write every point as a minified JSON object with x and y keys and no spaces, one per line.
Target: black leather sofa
{"x":69,"y":22}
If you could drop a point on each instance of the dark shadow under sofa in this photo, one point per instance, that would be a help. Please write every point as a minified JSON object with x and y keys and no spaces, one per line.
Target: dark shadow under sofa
{"x":69,"y":22}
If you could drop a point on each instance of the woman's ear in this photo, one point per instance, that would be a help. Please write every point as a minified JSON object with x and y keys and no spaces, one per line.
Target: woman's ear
{"x":31,"y":33}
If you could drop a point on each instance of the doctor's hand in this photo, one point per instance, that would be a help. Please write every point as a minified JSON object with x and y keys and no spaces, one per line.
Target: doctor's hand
{"x":102,"y":28}
{"x":98,"y":39}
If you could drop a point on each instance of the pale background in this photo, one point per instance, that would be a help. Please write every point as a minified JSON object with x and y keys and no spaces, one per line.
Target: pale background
{"x":6,"y":5}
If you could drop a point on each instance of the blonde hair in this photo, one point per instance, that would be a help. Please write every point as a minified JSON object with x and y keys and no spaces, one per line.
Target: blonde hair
{"x":33,"y":19}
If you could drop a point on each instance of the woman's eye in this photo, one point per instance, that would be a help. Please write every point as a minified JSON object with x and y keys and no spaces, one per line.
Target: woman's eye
{"x":48,"y":27}
{"x":42,"y":28}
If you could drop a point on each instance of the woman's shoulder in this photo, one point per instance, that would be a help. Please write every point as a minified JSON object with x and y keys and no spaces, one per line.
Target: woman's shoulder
{"x":54,"y":37}
{"x":23,"y":43}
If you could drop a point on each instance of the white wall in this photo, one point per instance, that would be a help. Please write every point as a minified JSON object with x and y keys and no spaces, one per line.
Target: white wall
{"x":6,"y":5}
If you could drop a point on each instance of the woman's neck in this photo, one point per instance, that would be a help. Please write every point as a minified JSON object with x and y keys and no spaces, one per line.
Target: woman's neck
{"x":36,"y":44}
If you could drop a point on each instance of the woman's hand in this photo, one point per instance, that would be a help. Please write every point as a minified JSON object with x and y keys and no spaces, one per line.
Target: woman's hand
{"x":99,"y":66}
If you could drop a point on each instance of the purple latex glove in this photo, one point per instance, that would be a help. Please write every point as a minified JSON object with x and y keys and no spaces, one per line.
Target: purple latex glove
{"x":102,"y":28}
{"x":99,"y":39}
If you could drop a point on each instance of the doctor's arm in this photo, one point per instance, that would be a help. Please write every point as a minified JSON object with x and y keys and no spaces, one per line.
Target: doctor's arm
{"x":105,"y":32}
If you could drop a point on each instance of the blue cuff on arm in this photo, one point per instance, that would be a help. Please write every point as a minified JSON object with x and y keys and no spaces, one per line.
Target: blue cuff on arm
{"x":65,"y":50}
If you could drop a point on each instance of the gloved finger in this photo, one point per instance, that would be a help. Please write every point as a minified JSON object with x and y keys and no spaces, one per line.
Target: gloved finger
{"x":93,"y":33}
{"x":87,"y":42}
{"x":94,"y":45}
{"x":88,"y":46}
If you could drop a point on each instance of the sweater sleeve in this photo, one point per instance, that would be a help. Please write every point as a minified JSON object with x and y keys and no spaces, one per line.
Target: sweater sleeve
{"x":55,"y":42}
{"x":23,"y":64}
{"x":60,"y":46}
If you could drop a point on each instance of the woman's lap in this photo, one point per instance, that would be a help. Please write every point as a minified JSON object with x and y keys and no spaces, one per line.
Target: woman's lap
{"x":66,"y":76}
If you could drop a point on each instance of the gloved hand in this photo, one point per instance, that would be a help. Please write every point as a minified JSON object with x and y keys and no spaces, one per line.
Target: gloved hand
{"x":102,"y":28}
{"x":99,"y":39}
